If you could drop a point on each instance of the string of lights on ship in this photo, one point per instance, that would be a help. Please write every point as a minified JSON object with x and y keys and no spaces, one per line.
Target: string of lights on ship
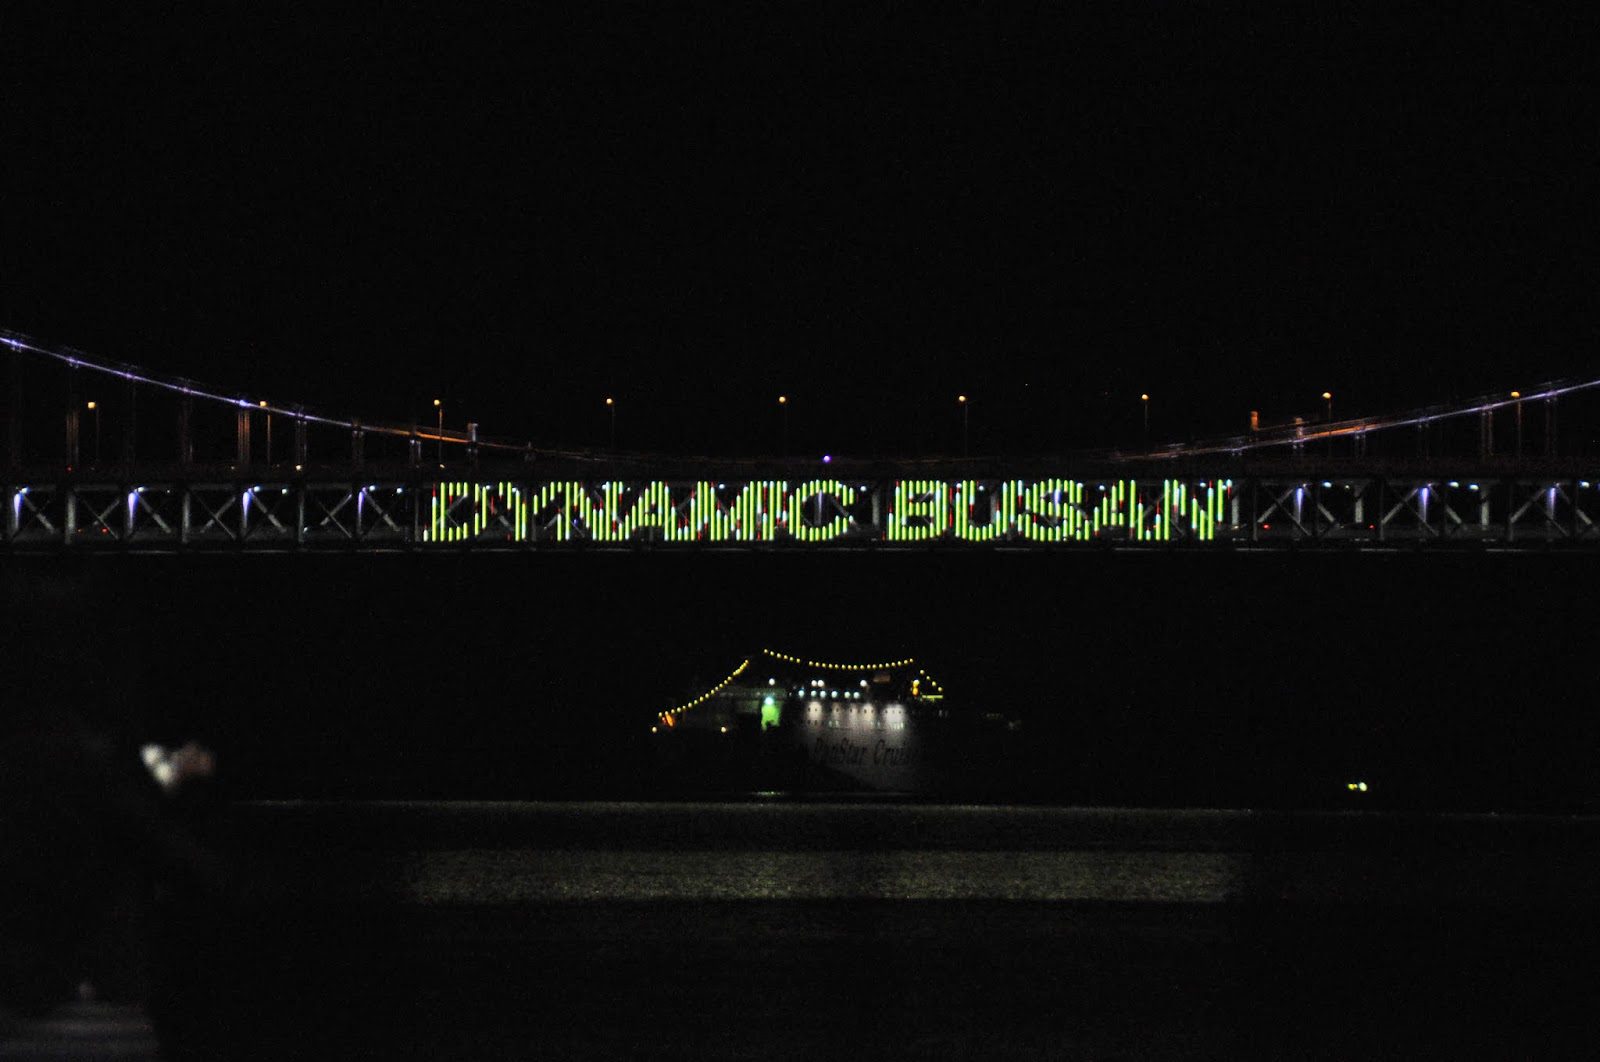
{"x":933,"y":692}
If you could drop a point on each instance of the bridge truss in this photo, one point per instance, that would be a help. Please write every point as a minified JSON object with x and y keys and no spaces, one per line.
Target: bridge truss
{"x":1283,"y":509}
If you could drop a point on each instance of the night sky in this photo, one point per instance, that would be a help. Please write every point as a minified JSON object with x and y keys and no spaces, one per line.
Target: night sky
{"x":870,"y":208}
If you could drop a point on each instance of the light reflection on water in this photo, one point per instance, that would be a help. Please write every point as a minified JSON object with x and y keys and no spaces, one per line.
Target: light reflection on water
{"x":493,"y":876}
{"x":467,"y":854}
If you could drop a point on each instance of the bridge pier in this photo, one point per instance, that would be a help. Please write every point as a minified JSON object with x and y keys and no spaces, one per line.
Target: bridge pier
{"x":14,"y":410}
{"x":130,"y":428}
{"x":71,"y":446}
{"x":300,"y":440}
{"x":242,"y":438}
{"x":185,"y":432}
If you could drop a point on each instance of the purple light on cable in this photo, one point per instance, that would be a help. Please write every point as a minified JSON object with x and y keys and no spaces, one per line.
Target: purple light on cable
{"x":133,"y":499}
{"x":827,"y":459}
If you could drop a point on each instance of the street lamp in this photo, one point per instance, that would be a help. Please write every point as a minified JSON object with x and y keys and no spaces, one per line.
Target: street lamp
{"x":94,"y":407}
{"x":439,"y":434}
{"x":965,"y":410}
{"x":783,"y":412}
{"x":1144,"y":402}
{"x":611,"y":408}
{"x":1327,"y":401}
{"x":1518,"y":396}
{"x":263,"y":405}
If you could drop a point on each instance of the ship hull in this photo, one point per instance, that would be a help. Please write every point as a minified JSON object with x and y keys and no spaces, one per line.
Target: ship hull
{"x":928,"y":757}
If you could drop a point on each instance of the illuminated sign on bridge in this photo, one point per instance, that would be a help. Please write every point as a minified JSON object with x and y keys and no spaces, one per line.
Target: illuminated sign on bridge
{"x":1054,"y":510}
{"x":326,"y":510}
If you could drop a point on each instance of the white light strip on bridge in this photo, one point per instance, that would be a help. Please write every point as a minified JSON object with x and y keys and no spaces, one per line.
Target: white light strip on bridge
{"x":1295,"y":434}
{"x":1282,"y":436}
{"x":78,"y":360}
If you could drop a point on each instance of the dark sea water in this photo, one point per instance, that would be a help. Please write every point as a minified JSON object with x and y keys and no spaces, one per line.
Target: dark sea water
{"x":1106,"y":911}
{"x":761,"y":929}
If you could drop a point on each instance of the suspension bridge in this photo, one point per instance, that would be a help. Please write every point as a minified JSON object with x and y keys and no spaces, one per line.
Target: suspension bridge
{"x":190,"y":467}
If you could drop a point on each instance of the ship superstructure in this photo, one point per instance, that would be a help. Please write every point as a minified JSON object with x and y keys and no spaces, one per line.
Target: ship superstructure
{"x":880,"y":725}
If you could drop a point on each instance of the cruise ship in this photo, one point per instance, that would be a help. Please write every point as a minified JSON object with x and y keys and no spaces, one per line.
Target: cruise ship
{"x":783,"y":723}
